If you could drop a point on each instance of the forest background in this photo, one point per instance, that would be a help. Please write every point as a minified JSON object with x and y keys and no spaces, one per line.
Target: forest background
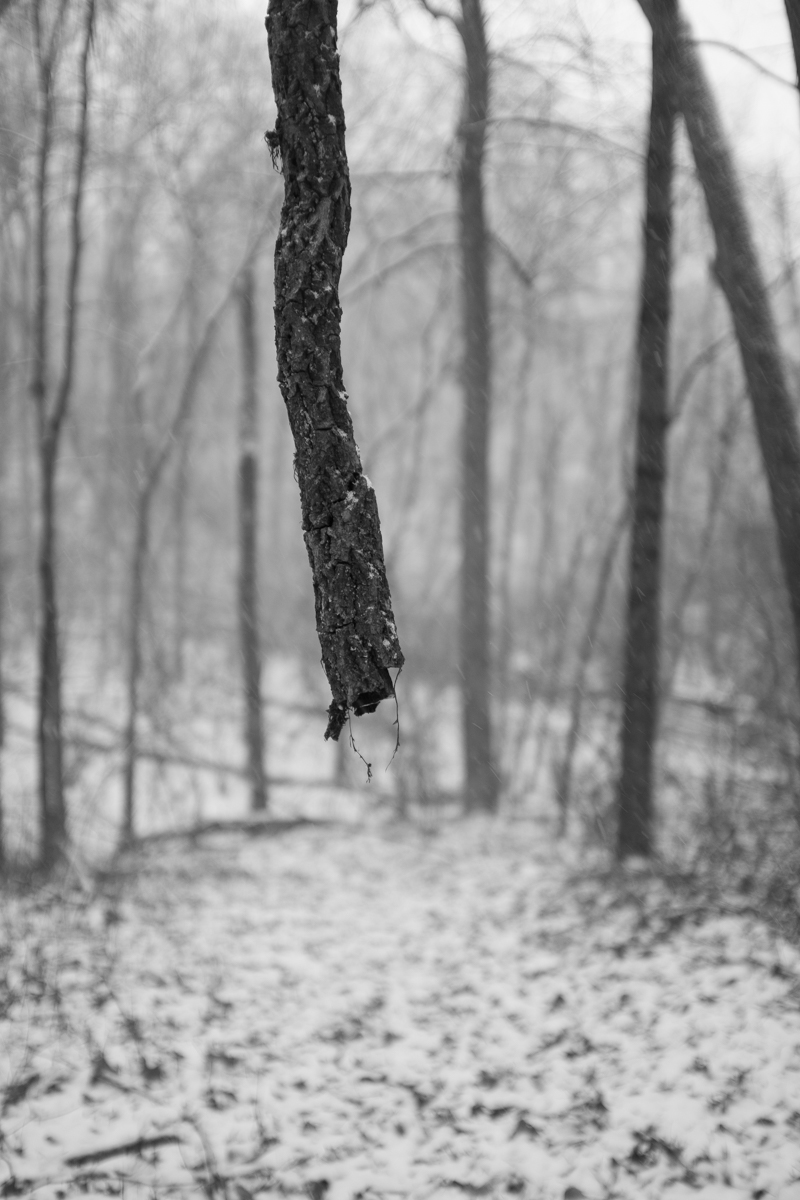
{"x":179,"y":192}
{"x":237,"y":960}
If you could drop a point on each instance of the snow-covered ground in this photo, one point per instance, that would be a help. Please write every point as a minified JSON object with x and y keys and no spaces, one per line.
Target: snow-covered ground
{"x":391,"y":1011}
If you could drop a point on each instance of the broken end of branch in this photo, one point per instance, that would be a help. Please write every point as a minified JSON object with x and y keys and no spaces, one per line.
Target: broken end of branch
{"x":366,"y":702}
{"x":337,"y":719}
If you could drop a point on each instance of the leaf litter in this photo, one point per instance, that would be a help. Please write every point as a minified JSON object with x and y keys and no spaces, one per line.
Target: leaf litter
{"x":381,"y":1012}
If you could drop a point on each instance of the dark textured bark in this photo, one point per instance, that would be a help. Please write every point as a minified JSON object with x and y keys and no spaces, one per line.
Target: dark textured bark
{"x":739,"y":274}
{"x":250,"y":640}
{"x":793,"y":14}
{"x":50,"y":417}
{"x":474,"y":651}
{"x":641,"y":664}
{"x":339,"y":512}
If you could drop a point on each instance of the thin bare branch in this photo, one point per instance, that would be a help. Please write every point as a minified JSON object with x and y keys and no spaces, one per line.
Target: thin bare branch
{"x":381,"y":275}
{"x":693,"y":370}
{"x":748,"y":58}
{"x":441,"y":14}
{"x":568,"y":128}
{"x":195,"y":371}
{"x":526,"y":277}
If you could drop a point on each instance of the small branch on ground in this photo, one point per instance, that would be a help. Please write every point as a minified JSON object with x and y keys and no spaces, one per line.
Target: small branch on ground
{"x":135,"y":1147}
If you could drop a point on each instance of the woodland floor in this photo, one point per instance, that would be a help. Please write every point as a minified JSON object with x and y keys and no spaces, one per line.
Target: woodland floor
{"x":389,"y":1012}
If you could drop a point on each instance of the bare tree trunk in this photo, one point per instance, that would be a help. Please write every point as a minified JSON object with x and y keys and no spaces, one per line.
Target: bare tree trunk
{"x":248,"y":546}
{"x":134,"y":662}
{"x":9,"y":452}
{"x":52,"y":808}
{"x":180,"y":515}
{"x":53,"y":815}
{"x":514,"y":473}
{"x":482,"y":783}
{"x":719,"y":472}
{"x":793,"y":14}
{"x":640,"y":689}
{"x":740,"y":277}
{"x":341,"y":527}
{"x":564,"y":780}
{"x":4,"y":573}
{"x":152,"y":475}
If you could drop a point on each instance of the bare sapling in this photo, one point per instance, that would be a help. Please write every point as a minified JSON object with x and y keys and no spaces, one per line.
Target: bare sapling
{"x":156,"y":459}
{"x":249,"y":632}
{"x":482,"y":781}
{"x":52,"y":403}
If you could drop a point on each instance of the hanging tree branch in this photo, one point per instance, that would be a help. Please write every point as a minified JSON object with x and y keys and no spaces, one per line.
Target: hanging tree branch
{"x":339,"y":510}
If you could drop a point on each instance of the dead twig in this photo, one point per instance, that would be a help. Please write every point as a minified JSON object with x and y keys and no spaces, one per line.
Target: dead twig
{"x":135,"y":1147}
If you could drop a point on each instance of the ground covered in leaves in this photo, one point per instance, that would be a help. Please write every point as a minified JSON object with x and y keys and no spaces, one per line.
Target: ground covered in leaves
{"x":387,"y":1012}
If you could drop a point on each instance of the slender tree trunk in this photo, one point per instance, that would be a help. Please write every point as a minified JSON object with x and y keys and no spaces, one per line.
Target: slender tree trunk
{"x":248,"y":546}
{"x":4,"y":571}
{"x":793,"y":14}
{"x":564,"y":779}
{"x":152,"y":475}
{"x":180,"y":515}
{"x":136,"y":602}
{"x":642,"y":642}
{"x":12,"y":449}
{"x":52,"y":817}
{"x":53,"y":813}
{"x":482,"y":782}
{"x":52,"y":808}
{"x":514,"y":475}
{"x":341,"y":527}
{"x":719,"y":472}
{"x":740,"y":277}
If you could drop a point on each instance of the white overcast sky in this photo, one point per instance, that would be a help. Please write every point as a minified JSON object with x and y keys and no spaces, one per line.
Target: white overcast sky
{"x":764,"y":116}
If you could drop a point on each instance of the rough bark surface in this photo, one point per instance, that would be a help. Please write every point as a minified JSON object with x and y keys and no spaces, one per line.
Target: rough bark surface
{"x":482,"y":782}
{"x":339,"y":511}
{"x":741,"y":279}
{"x":250,"y":641}
{"x":640,"y":688}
